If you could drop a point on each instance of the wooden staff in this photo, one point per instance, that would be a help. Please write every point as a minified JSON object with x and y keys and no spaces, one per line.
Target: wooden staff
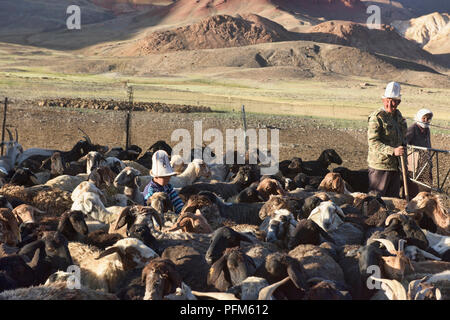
{"x":405,"y":175}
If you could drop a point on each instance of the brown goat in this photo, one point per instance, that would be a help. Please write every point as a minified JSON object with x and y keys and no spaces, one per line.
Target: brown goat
{"x":160,"y":202}
{"x":9,"y":228}
{"x":433,"y":206}
{"x":269,"y":187}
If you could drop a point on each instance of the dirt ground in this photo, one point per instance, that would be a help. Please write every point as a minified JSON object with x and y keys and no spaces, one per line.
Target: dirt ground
{"x":57,"y":128}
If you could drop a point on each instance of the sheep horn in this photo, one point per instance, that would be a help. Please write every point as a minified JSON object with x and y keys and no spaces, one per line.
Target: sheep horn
{"x":108,"y":251}
{"x":388,"y":244}
{"x":266,"y":292}
{"x":9,"y":134}
{"x":397,"y":289}
{"x":215,"y":295}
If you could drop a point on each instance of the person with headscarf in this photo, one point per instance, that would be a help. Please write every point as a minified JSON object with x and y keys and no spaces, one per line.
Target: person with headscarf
{"x":418,"y":134}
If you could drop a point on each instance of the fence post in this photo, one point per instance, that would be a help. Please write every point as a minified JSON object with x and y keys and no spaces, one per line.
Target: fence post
{"x":4,"y":122}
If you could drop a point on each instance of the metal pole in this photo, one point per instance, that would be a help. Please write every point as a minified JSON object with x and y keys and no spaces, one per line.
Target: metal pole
{"x":4,"y":122}
{"x":244,"y":121}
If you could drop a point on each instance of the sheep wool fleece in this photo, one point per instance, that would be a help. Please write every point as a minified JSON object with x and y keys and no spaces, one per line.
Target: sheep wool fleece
{"x":385,"y":132}
{"x":153,"y":187}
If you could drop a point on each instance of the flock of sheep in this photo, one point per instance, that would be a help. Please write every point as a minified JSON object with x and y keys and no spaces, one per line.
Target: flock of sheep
{"x":304,"y":233}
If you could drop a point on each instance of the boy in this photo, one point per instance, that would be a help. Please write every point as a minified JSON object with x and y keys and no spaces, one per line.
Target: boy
{"x":161,"y":172}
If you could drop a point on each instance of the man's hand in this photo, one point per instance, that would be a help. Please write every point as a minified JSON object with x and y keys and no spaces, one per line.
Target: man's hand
{"x":399,"y":151}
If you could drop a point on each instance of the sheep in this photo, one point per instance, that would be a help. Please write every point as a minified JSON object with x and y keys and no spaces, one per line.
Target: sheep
{"x":18,"y":271}
{"x":433,"y":207}
{"x":249,"y":288}
{"x":26,"y":213}
{"x":219,"y":172}
{"x":115,"y":164}
{"x":160,"y":145}
{"x":73,"y":226}
{"x":310,"y":183}
{"x":307,"y":232}
{"x":278,"y":202}
{"x":65,"y":182}
{"x":358,"y":180}
{"x":249,"y":195}
{"x":9,"y":228}
{"x":53,"y":251}
{"x":101,"y":239}
{"x":161,"y":278}
{"x":105,"y":270}
{"x":160,"y":201}
{"x":290,"y":168}
{"x":86,"y":186}
{"x":319,"y":167}
{"x":247,"y":213}
{"x":280,"y":227}
{"x":177,"y":163}
{"x":333,"y":182}
{"x":192,"y":222}
{"x":230,"y":269}
{"x":143,"y":170}
{"x":194,"y":170}
{"x":136,"y":215}
{"x":328,"y":216}
{"x":269,"y":186}
{"x":417,"y":290}
{"x":57,"y":291}
{"x":90,"y":204}
{"x":128,"y":178}
{"x":58,"y":167}
{"x":317,"y":263}
{"x":24,"y":177}
{"x":245,"y":176}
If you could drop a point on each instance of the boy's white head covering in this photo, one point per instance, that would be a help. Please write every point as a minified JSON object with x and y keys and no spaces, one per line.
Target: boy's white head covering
{"x":161,"y":165}
{"x":392,"y":91}
{"x":419,"y":116}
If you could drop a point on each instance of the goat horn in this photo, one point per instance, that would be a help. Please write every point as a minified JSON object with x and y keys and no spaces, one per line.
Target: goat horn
{"x":398,"y":291}
{"x":391,"y":217}
{"x":108,"y":251}
{"x":215,"y":295}
{"x":9,"y":134}
{"x":388,"y":244}
{"x":86,"y":136}
{"x":266,"y":292}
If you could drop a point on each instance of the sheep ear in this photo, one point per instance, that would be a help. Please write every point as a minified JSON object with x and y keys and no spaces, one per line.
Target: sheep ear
{"x":124,"y":218}
{"x":216,"y":269}
{"x":109,"y":251}
{"x":296,"y":274}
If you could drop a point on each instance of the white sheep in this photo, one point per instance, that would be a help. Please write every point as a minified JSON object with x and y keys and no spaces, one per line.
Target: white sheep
{"x":439,"y":243}
{"x":105,"y":269}
{"x":65,"y":182}
{"x":327,"y":216}
{"x":90,"y":204}
{"x":195,"y":169}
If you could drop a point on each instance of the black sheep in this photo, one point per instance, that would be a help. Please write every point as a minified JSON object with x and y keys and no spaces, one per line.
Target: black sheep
{"x":358,"y":180}
{"x":319,"y":167}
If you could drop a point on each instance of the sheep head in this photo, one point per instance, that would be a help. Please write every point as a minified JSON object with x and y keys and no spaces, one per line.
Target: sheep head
{"x":192,"y":222}
{"x":132,"y":253}
{"x":137,"y":214}
{"x":177,"y":163}
{"x":9,"y":228}
{"x":160,"y":278}
{"x":25,"y":213}
{"x":328,"y":216}
{"x":269,"y":187}
{"x":127,"y":178}
{"x":433,"y":206}
{"x":281,"y":227}
{"x":201,"y":168}
{"x":332,"y":182}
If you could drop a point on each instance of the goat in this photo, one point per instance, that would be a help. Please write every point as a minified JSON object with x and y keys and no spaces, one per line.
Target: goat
{"x":433,"y":207}
{"x":73,"y":226}
{"x":319,"y":167}
{"x":333,"y":182}
{"x":128,"y":178}
{"x":358,"y":180}
{"x":290,"y":168}
{"x":90,"y":204}
{"x":13,"y":151}
{"x":197,"y":168}
{"x":24,"y":177}
{"x":137,"y":215}
{"x":280,"y":227}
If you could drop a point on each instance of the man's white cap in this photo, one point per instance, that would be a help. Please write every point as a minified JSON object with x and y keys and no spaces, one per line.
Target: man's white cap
{"x":161,"y":165}
{"x":392,"y":91}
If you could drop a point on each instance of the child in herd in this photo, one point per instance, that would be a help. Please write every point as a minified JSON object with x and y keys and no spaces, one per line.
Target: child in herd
{"x":161,"y":173}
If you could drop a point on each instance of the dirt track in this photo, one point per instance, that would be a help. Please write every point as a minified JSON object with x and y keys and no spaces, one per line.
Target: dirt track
{"x":46,"y":127}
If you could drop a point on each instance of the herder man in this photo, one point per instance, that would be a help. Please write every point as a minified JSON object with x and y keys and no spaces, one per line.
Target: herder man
{"x":386,"y":137}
